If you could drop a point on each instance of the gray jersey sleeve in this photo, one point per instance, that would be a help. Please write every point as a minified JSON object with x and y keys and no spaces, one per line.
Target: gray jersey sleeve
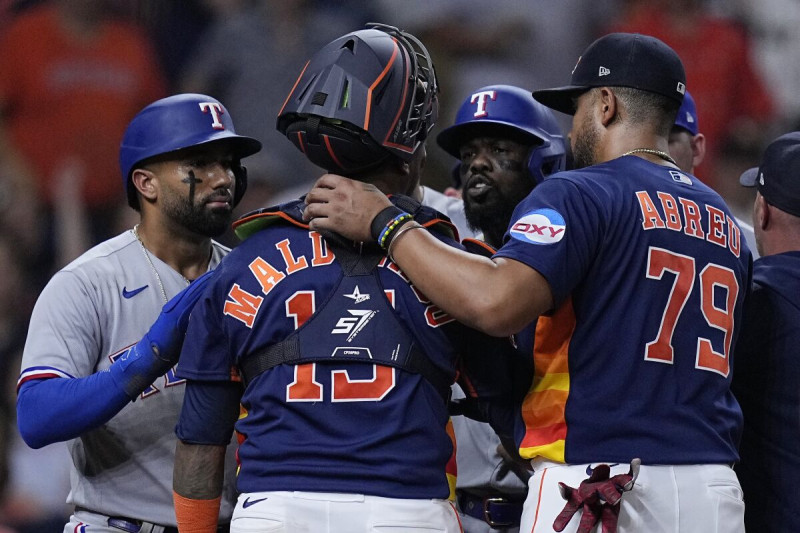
{"x":88,"y":313}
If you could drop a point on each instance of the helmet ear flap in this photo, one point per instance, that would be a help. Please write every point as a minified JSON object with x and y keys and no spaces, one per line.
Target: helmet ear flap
{"x":240,"y":174}
{"x":534,"y":167}
{"x":542,"y":163}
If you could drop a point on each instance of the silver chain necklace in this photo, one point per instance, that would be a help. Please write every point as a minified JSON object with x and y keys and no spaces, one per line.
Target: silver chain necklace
{"x":663,"y":155}
{"x":152,"y":266}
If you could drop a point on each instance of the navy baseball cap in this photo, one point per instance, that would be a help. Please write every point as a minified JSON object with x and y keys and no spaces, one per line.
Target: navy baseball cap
{"x":621,"y":60}
{"x":778,"y":177}
{"x":687,"y":115}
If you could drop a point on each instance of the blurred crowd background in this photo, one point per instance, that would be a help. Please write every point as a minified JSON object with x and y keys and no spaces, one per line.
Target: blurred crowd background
{"x":74,"y":72}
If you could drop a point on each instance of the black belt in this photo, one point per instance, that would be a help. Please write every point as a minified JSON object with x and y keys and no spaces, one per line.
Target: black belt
{"x":496,"y":510}
{"x":132,"y":525}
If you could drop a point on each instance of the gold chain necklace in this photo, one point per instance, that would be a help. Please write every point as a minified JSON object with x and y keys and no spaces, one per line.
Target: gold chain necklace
{"x":152,"y":266}
{"x":663,"y":155}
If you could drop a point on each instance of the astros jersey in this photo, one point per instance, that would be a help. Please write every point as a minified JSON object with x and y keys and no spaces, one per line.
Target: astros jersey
{"x":89,"y":312}
{"x":335,"y":425}
{"x":648,"y":272}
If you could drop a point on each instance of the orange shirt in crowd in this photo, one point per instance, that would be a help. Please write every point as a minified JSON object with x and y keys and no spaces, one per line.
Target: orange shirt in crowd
{"x":719,"y":72}
{"x":65,"y":98}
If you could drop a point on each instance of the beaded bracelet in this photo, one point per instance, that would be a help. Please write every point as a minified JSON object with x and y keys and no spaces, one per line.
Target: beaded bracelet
{"x":386,"y":236}
{"x":382,"y":219}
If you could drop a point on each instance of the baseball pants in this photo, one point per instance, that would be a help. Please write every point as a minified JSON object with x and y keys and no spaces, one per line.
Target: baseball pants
{"x":665,"y":499}
{"x":286,"y":512}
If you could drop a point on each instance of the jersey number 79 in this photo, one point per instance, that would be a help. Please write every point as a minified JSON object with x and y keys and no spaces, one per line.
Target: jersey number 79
{"x":713,"y":276}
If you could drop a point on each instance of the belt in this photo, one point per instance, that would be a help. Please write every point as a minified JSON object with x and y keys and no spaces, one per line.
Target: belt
{"x":132,"y":525}
{"x":496,"y":510}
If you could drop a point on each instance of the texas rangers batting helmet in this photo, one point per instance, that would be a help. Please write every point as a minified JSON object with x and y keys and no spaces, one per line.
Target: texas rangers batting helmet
{"x":363,"y":97}
{"x":178,"y":122}
{"x":500,"y":110}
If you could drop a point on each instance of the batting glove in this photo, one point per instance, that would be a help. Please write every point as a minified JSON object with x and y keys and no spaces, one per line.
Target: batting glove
{"x":599,"y":497}
{"x":160,"y":348}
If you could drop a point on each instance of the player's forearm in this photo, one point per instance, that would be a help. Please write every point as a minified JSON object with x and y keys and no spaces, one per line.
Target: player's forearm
{"x":59,"y":409}
{"x":498,"y":297}
{"x":197,"y":485}
{"x":199,"y":470}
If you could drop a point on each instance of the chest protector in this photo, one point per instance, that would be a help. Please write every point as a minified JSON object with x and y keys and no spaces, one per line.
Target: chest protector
{"x":356,"y":322}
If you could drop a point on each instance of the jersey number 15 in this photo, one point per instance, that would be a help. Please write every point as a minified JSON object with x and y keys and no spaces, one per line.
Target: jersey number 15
{"x":305,"y":388}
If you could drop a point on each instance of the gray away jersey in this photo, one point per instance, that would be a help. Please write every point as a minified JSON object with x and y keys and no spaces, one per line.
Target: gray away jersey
{"x":89,"y":312}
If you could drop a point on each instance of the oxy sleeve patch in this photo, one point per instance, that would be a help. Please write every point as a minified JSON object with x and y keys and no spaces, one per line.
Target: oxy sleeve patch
{"x":541,"y":226}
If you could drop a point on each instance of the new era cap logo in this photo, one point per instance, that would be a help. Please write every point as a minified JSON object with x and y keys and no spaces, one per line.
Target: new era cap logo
{"x":604,"y":71}
{"x":761,"y":178}
{"x":681,"y":88}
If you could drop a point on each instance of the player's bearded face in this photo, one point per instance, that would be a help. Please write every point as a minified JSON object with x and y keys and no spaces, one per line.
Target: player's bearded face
{"x":495,"y":181}
{"x":199,"y":208}
{"x":585,"y":136}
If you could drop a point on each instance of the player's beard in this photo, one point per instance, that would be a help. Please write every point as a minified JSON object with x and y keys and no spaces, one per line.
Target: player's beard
{"x":493,"y":215}
{"x":197,"y":217}
{"x":584,"y":146}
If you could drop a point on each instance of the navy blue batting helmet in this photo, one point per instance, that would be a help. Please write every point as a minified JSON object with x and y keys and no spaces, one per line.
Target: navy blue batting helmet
{"x":179,"y":122}
{"x":362,"y":98}
{"x":507,"y":110}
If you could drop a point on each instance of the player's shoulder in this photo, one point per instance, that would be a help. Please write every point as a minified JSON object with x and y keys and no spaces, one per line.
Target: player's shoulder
{"x":254,"y":222}
{"x":778,"y":270}
{"x":100,"y":267}
{"x":108,"y":254}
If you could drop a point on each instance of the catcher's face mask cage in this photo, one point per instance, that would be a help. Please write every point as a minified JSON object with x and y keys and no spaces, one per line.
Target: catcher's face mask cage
{"x":362,"y":98}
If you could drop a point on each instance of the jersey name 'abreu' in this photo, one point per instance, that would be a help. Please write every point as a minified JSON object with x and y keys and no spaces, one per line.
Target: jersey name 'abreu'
{"x":679,"y":214}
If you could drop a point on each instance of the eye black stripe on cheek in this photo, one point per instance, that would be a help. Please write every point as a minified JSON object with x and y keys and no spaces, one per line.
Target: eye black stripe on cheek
{"x":192,"y":180}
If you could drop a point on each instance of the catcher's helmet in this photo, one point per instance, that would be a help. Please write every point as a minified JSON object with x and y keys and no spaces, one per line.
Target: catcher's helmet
{"x":363,"y":97}
{"x":178,"y":122}
{"x":507,"y":110}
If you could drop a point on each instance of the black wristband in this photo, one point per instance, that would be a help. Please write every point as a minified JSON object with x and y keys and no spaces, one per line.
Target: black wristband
{"x":381,"y":219}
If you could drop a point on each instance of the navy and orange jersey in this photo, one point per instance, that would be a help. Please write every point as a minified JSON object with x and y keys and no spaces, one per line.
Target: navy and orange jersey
{"x":648,"y":273}
{"x":348,"y":421}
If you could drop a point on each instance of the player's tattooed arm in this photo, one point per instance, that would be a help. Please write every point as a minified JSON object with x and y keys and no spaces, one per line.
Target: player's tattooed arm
{"x":197,"y":486}
{"x":199,"y":470}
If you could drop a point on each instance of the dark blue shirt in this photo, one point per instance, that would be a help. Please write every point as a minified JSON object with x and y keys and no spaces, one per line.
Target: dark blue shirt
{"x":648,"y":272}
{"x":767,"y":384}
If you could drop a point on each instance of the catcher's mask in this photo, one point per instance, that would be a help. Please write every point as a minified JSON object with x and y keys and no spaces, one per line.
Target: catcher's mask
{"x":362,"y":98}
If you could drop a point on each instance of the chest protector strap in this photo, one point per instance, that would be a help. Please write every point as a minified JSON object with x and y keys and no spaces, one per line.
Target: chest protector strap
{"x":356,"y":323}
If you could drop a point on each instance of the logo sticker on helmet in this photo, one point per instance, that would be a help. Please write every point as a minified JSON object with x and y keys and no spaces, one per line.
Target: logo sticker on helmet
{"x":542,"y":226}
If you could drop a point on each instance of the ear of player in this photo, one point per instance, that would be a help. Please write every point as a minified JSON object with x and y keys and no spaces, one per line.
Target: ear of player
{"x":159,"y":349}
